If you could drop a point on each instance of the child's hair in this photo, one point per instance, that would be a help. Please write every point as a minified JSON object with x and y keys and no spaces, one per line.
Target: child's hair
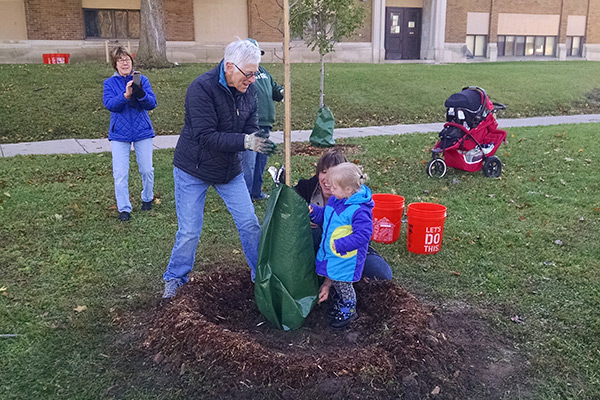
{"x":345,"y":175}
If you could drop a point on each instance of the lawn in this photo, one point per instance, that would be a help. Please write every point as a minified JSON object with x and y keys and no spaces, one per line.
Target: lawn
{"x":43,"y":102}
{"x":74,"y":278}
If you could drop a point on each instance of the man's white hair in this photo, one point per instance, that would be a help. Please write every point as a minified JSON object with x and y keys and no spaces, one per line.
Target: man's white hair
{"x":242,"y":52}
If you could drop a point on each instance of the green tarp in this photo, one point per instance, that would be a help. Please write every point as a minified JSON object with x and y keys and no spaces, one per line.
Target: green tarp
{"x":322,"y":133}
{"x":286,"y":285}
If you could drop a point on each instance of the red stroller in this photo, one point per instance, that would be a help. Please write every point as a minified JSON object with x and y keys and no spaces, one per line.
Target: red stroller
{"x":470,"y":137}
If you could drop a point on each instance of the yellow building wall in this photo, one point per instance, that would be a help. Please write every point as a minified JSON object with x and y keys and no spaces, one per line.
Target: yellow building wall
{"x":404,"y":3}
{"x":220,"y":21}
{"x":12,"y":20}
{"x":112,"y":4}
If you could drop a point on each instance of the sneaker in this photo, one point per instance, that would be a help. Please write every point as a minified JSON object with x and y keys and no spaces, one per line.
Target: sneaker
{"x":261,"y":197}
{"x":345,"y":316}
{"x":124,"y":216}
{"x":171,"y":288}
{"x":333,"y":311}
{"x":147,"y":205}
{"x":335,"y":303}
{"x":340,"y":322}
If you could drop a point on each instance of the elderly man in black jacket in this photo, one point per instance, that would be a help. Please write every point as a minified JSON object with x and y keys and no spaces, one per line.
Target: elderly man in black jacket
{"x":221,"y":121}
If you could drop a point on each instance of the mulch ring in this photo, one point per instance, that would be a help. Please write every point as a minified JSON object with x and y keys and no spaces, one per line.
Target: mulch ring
{"x":398,"y":346}
{"x":306,"y":149}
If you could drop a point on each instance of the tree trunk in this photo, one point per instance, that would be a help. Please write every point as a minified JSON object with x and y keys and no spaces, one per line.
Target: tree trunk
{"x":152,"y":51}
{"x":321,"y":104}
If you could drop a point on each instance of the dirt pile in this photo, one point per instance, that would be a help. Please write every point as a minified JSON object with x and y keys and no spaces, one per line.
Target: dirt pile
{"x":398,"y":346}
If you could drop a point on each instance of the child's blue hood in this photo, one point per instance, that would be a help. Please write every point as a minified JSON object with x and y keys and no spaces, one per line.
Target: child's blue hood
{"x":363,"y":196}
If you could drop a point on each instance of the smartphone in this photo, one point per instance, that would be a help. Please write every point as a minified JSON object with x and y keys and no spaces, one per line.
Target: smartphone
{"x":137,"y":78}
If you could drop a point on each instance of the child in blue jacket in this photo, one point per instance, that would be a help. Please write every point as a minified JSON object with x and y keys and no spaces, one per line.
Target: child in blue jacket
{"x":347,"y":221}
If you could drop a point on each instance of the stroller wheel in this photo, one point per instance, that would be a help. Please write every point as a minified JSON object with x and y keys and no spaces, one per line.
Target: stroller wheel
{"x":436,"y":168}
{"x":492,"y":167}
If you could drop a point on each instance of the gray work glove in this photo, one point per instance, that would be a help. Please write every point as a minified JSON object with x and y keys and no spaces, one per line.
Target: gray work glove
{"x":259,"y":143}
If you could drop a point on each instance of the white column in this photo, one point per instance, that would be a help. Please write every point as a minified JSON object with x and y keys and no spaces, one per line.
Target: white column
{"x":378,"y":31}
{"x":492,"y":51}
{"x":439,"y":28}
{"x":562,"y":51}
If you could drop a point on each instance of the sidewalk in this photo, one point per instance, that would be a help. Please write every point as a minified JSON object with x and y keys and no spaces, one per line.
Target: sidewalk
{"x":82,"y":146}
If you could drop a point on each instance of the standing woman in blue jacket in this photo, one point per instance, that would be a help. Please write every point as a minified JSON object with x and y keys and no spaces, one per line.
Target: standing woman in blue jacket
{"x":128,"y":103}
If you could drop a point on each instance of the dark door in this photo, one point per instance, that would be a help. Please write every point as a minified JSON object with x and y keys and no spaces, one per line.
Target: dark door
{"x":402,"y":33}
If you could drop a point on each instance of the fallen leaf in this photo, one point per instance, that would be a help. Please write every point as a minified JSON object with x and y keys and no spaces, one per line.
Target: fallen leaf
{"x":436,"y":390}
{"x":3,"y":289}
{"x":522,"y":218}
{"x":563,"y":182}
{"x":158,"y":358}
{"x":7,"y":194}
{"x":80,"y":308}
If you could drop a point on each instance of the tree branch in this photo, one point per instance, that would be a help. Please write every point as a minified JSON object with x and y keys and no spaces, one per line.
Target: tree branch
{"x":265,"y":22}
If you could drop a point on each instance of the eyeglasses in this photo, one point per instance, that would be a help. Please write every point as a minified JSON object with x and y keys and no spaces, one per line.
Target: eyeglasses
{"x":124,"y":60}
{"x":248,"y":75}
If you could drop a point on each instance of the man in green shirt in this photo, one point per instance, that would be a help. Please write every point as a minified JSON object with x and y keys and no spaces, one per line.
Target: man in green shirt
{"x":253,"y":163}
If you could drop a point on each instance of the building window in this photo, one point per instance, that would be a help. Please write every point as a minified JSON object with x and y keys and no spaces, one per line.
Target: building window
{"x":476,"y":44}
{"x":574,"y":46}
{"x":526,"y":46}
{"x":112,"y":24}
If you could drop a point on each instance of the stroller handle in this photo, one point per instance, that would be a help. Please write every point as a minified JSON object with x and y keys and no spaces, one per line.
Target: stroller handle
{"x":499,"y":106}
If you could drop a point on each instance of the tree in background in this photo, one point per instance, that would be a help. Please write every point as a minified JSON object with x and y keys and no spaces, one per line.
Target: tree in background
{"x":323,"y":23}
{"x":152,"y":51}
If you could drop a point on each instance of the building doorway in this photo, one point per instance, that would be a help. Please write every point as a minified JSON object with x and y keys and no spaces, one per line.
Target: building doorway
{"x":402,"y":33}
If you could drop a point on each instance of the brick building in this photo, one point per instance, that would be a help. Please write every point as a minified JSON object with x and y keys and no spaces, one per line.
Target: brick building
{"x":197,"y":30}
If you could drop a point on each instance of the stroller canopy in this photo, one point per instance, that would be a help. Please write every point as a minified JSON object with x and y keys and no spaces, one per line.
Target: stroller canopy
{"x":469,"y":99}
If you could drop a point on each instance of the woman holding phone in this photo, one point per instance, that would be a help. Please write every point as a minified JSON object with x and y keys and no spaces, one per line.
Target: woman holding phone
{"x":128,"y":96}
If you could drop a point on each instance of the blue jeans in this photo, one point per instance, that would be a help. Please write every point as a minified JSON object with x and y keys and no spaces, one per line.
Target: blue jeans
{"x":120,"y":162}
{"x":253,"y":165}
{"x":190,"y":194}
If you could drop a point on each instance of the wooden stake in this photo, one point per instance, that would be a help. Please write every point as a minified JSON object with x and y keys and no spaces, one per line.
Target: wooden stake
{"x":106,"y":49}
{"x":287,"y":132}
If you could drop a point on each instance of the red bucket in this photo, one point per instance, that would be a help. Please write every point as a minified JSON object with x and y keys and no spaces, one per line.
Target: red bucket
{"x":56,"y":58}
{"x":387,"y":217}
{"x":425,"y":227}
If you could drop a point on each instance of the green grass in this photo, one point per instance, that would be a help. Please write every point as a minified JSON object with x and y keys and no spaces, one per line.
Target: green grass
{"x":63,"y":248}
{"x":43,"y":102}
